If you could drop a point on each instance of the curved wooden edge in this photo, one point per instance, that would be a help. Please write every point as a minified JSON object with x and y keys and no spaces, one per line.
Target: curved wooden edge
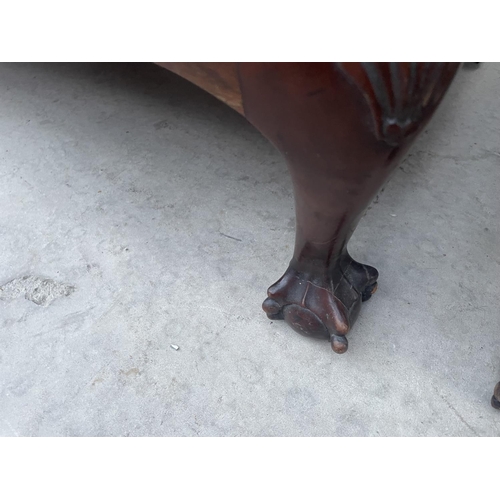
{"x":219,"y":79}
{"x":342,"y":129}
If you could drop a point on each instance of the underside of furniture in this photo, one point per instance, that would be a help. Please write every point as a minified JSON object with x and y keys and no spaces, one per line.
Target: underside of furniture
{"x":342,"y":128}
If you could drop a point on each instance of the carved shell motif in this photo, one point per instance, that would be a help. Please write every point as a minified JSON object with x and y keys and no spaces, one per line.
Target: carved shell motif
{"x":399,"y":94}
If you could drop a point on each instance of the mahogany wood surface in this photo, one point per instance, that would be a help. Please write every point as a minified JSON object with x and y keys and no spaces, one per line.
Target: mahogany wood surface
{"x":342,"y":128}
{"x":495,"y":400}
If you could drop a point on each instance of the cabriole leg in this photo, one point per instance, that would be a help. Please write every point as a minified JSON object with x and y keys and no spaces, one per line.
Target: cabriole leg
{"x":342,"y":129}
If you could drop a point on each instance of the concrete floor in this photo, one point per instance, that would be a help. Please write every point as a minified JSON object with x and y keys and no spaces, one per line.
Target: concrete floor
{"x":146,"y":213}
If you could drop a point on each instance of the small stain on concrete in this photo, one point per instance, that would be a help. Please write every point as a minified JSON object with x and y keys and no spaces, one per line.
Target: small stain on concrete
{"x":132,"y":371}
{"x":161,"y":124}
{"x":41,"y":291}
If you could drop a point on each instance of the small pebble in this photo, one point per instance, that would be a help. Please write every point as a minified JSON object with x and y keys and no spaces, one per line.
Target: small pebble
{"x":174,"y":347}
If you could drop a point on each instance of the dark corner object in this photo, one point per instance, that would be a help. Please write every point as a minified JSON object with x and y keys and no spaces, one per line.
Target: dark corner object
{"x":495,"y":399}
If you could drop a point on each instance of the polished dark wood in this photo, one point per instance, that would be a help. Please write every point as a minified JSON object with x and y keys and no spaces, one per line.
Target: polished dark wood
{"x":495,"y":399}
{"x":342,"y":128}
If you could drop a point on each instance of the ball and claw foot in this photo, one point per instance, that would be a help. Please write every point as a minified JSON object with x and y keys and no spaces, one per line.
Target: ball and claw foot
{"x":495,"y":399}
{"x":323,"y":307}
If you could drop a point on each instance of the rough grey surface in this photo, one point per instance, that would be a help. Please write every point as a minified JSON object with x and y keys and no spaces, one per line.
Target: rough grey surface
{"x":41,"y":291}
{"x":171,"y":215}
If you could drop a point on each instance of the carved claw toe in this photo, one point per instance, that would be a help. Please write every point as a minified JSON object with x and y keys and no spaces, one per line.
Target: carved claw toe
{"x":339,"y":344}
{"x":272,"y":309}
{"x":368,"y":292}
